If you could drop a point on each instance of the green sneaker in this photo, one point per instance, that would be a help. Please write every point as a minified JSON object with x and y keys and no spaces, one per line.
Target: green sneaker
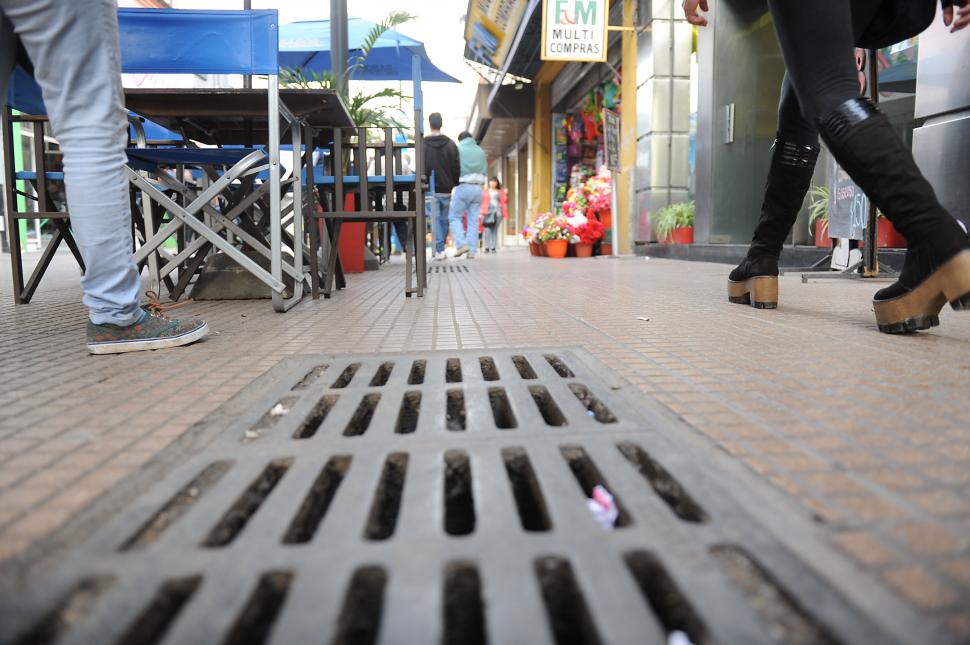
{"x":153,"y":331}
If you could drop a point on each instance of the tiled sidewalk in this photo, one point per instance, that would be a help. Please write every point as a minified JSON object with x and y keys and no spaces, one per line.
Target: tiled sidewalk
{"x":868,"y":434}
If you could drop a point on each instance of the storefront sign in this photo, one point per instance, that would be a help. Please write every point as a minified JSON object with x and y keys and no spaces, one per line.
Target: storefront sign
{"x":848,"y":205}
{"x":611,"y":139}
{"x":490,"y":29}
{"x":574,"y":30}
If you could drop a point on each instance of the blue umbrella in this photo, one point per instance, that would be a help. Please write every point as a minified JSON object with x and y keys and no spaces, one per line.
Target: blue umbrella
{"x":306,"y":45}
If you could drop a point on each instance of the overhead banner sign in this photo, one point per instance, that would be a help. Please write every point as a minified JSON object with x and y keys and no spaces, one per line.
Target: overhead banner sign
{"x":490,"y":29}
{"x":574,"y":30}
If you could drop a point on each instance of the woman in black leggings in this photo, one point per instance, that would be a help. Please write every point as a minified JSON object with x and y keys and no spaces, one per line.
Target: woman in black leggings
{"x":820,"y":95}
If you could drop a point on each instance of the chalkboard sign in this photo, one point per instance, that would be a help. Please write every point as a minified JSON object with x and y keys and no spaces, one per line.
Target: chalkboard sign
{"x":611,"y":137}
{"x":848,"y":205}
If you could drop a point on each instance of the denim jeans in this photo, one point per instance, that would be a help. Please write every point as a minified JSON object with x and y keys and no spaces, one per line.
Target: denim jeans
{"x":490,"y":237}
{"x":437,"y":206}
{"x":467,"y":198}
{"x":77,"y":63}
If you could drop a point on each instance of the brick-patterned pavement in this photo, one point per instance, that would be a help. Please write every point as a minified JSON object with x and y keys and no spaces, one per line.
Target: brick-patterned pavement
{"x":868,"y":435}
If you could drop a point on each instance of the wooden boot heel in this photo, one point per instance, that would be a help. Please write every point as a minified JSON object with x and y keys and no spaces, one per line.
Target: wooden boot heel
{"x":760,"y":292}
{"x":920,"y":308}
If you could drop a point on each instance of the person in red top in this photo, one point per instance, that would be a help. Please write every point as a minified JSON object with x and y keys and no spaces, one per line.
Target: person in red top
{"x":495,"y":209}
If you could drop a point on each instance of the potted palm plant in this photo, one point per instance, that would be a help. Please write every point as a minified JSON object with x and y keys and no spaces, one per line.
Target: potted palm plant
{"x":818,"y":216}
{"x":675,"y":223}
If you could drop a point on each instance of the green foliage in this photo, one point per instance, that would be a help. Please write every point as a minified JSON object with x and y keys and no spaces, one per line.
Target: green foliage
{"x":672,"y":217}
{"x":375,"y":109}
{"x":818,"y":210}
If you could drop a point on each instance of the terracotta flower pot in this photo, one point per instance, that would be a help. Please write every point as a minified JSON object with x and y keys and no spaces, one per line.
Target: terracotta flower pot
{"x":887,"y":237}
{"x":543,"y":250}
{"x":534,"y":249}
{"x":679,"y":236}
{"x":557,"y":248}
{"x":584,"y":250}
{"x":822,"y":239}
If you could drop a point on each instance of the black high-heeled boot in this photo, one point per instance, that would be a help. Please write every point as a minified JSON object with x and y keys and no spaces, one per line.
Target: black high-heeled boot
{"x":937,"y":265}
{"x":755,"y":280}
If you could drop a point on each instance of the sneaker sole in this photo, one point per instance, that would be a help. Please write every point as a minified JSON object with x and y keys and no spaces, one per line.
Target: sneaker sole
{"x":121,"y":347}
{"x":920,"y":308}
{"x":761,"y":292}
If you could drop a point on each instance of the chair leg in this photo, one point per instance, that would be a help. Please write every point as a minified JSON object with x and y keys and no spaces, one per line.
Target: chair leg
{"x":41,"y":268}
{"x":408,"y":258}
{"x":71,"y":243}
{"x":333,"y":229}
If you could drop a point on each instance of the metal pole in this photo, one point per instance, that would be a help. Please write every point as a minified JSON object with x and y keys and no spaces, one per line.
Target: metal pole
{"x":338,"y":44}
{"x":614,"y":237}
{"x":247,"y":79}
{"x":870,"y":255}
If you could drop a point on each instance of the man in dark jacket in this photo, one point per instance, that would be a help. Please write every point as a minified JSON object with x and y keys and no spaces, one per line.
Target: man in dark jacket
{"x":441,"y":159}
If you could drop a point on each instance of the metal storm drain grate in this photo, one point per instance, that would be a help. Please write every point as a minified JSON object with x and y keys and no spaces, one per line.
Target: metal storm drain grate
{"x":449,"y":268}
{"x":439,"y":498}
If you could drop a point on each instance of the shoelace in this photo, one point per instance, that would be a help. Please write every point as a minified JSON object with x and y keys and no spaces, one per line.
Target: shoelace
{"x":157,"y":309}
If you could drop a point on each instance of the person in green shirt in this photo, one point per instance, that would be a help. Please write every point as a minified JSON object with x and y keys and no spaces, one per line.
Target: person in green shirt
{"x":467,"y":196}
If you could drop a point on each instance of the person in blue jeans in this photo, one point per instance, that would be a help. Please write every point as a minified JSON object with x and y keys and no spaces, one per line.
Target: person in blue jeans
{"x":441,"y":166}
{"x":76,"y":59}
{"x":467,"y":196}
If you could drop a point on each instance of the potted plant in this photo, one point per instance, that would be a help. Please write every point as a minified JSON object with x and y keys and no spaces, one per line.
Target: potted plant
{"x":675,"y":223}
{"x":529,"y":235}
{"x":818,"y":216}
{"x":586,"y":234}
{"x":556,"y":235}
{"x":887,"y":237}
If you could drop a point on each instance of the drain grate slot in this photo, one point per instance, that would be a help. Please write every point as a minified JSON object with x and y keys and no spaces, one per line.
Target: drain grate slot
{"x":387,"y":498}
{"x":786,"y":620}
{"x":309,"y":426}
{"x":177,"y":506}
{"x":345,"y":377}
{"x":596,"y":408}
{"x":566,"y":607}
{"x":453,"y":370}
{"x":524,"y":368}
{"x":455,"y":411}
{"x":589,"y":477}
{"x":663,"y":596}
{"x":557,"y":364}
{"x":459,"y":500}
{"x":550,"y":412}
{"x":255,"y":621}
{"x":150,"y":627}
{"x":360,"y":422}
{"x":416,"y":376}
{"x":318,"y":499}
{"x":274,"y":414}
{"x":501,"y":408}
{"x":668,"y":488}
{"x":464,"y":615}
{"x":236,"y":518}
{"x":360,"y":616}
{"x":71,"y":609}
{"x":533,"y":512}
{"x":407,"y":418}
{"x":382,"y":375}
{"x":489,"y":369}
{"x":311,"y":377}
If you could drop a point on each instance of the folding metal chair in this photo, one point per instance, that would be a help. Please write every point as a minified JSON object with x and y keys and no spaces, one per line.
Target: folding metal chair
{"x":23,"y":97}
{"x":171,"y":41}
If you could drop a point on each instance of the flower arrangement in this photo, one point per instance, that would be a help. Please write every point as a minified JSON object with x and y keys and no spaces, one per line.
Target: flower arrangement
{"x":589,"y":232}
{"x":550,"y":227}
{"x":528,"y":233}
{"x":599,"y":191}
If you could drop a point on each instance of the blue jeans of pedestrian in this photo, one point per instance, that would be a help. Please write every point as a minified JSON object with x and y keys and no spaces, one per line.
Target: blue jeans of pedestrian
{"x":467,"y":198}
{"x":77,"y":63}
{"x":437,"y":206}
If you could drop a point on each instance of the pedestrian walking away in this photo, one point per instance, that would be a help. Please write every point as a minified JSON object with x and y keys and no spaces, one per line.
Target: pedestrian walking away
{"x":494,"y":211}
{"x":820,"y":96}
{"x":441,"y":165}
{"x":467,"y":196}
{"x":73,"y":51}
